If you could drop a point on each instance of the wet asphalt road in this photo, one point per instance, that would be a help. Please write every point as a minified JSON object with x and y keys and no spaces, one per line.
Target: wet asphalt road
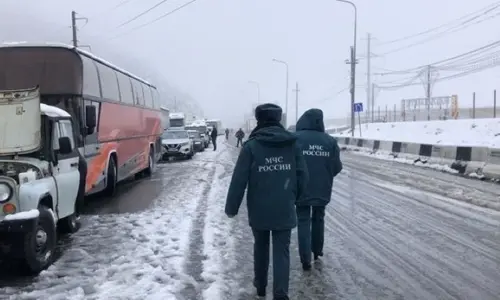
{"x":396,"y":231}
{"x":393,"y":231}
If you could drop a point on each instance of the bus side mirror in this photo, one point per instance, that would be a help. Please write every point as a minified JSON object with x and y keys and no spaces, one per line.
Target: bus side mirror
{"x":90,"y":117}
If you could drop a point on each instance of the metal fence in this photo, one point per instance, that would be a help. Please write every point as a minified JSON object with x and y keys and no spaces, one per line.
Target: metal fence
{"x":467,"y":109}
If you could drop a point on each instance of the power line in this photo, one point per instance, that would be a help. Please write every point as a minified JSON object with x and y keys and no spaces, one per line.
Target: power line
{"x":449,"y":60}
{"x":109,"y":10}
{"x":486,"y":8}
{"x":441,"y":34}
{"x":154,"y":20}
{"x":142,"y":14}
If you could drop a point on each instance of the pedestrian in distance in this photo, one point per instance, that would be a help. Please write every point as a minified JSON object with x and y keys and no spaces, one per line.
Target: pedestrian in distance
{"x":271,"y":165}
{"x":227,"y":134}
{"x":322,"y":155}
{"x":213,"y":135}
{"x":239,"y":137}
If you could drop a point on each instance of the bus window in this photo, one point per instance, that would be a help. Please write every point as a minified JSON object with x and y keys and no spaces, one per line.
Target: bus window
{"x":148,"y":97}
{"x":156,"y":98}
{"x":91,"y":85}
{"x":138,"y":92}
{"x":109,"y":84}
{"x":125,"y":88}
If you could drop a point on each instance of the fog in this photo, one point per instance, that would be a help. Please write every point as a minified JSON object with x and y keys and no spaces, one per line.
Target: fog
{"x":205,"y":54}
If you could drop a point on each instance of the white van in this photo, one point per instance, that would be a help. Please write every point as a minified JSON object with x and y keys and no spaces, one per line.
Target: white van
{"x":39,"y":178}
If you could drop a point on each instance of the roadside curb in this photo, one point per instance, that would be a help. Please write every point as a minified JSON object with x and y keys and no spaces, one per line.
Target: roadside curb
{"x":480,"y":162}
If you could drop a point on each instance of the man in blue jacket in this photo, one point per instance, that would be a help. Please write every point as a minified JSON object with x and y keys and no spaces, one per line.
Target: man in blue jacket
{"x":272,"y":166}
{"x":322,"y":155}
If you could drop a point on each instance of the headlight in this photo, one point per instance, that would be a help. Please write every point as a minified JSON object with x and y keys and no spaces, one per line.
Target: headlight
{"x":185,"y":144}
{"x":5,"y":192}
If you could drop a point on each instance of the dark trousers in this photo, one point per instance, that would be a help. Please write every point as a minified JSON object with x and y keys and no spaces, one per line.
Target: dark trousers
{"x":281,"y":260}
{"x":80,"y":199}
{"x":214,"y":142}
{"x":239,"y":142}
{"x":311,"y":231}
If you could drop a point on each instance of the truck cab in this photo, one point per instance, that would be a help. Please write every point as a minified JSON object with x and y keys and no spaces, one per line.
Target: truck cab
{"x":39,"y":178}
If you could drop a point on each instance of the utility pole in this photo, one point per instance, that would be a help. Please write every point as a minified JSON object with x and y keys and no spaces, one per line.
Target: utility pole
{"x":175,"y":103}
{"x":373,"y":102}
{"x":428,"y":96}
{"x":368,"y":75}
{"x":296,"y":90}
{"x":74,"y":28}
{"x":353,"y":61}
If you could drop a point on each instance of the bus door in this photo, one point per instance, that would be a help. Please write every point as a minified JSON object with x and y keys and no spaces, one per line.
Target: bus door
{"x":92,"y":153}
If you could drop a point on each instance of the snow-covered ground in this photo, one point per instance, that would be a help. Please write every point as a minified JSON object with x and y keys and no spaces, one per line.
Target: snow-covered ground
{"x":150,"y":255}
{"x":392,"y":232}
{"x":466,"y":132}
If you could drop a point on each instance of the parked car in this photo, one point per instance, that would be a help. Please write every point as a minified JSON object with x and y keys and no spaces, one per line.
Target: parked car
{"x":177,"y":143}
{"x":198,"y":142}
{"x":206,"y":139}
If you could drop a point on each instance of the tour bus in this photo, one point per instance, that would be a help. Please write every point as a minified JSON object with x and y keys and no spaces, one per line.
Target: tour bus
{"x":126,"y":140}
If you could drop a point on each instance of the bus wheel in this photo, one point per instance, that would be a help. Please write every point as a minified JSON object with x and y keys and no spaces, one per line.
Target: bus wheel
{"x":151,"y":164}
{"x":111,"y":179}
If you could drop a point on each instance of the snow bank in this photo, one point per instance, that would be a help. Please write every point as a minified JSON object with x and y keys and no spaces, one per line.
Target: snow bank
{"x":468,"y":132}
{"x":25,"y":215}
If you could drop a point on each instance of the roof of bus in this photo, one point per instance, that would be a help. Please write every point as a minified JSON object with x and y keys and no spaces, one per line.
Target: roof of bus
{"x":78,"y":50}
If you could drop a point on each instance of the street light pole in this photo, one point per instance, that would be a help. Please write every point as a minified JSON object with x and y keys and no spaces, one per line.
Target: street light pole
{"x":286,"y":94}
{"x":258,"y":89}
{"x":353,"y":63}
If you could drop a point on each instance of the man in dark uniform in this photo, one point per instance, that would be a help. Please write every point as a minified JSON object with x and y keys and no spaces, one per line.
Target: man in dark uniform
{"x":239,"y":136}
{"x":322,"y":155}
{"x":272,"y":166}
{"x":213,"y":135}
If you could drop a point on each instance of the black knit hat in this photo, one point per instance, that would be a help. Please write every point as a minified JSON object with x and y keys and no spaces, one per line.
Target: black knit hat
{"x":268,"y":113}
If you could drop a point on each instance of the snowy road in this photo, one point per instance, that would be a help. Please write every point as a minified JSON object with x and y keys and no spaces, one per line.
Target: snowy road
{"x":393,"y":232}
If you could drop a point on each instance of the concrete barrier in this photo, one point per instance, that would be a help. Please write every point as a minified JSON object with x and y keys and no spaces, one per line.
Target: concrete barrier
{"x":467,"y":160}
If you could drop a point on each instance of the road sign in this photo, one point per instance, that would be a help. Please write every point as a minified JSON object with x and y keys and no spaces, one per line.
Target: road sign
{"x":358,"y":107}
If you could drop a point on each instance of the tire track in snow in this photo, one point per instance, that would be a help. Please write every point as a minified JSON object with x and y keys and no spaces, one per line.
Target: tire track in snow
{"x":128,"y":256}
{"x":194,"y":259}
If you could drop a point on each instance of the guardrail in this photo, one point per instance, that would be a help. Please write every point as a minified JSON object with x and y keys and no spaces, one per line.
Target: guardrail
{"x":483,"y":161}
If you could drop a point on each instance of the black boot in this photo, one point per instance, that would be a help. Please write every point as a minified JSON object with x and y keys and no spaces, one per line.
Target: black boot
{"x":261,"y":291}
{"x":306,"y":266}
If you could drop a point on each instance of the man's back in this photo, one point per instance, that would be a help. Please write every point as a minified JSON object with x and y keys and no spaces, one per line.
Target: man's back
{"x":275,"y":179}
{"x":321,"y":153}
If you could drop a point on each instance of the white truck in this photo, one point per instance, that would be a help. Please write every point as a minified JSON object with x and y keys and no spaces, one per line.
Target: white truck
{"x":39,"y":178}
{"x":216,"y":123}
{"x":177,"y":119}
{"x":165,"y":117}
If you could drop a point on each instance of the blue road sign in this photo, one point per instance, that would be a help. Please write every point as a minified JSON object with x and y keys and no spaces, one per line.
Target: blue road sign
{"x":358,"y":107}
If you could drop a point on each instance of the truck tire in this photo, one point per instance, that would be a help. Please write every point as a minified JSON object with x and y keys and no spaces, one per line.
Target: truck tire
{"x":39,"y":245}
{"x":111,"y":179}
{"x":71,"y":223}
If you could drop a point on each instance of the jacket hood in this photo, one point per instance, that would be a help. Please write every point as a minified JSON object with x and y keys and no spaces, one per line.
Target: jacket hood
{"x":274,"y":135}
{"x":312,"y":119}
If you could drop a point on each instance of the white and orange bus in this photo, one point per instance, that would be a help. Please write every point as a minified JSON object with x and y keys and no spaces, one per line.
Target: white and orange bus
{"x":126,"y":138}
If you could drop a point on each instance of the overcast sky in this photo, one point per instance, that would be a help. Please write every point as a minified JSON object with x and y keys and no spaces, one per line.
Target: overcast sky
{"x":212,"y":48}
